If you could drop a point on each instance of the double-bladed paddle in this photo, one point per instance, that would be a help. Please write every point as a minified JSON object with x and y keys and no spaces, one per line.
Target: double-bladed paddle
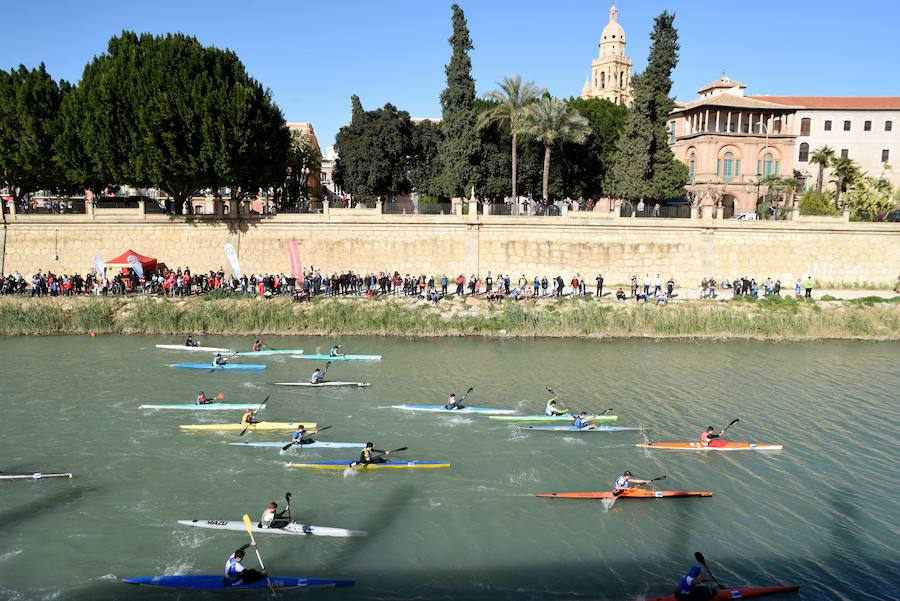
{"x":249,"y":526}
{"x":219,"y":366}
{"x":302,"y":438}
{"x":699,"y":557}
{"x":550,"y":390}
{"x":250,"y":419}
{"x":733,"y":422}
{"x":268,"y":347}
{"x":460,"y":405}
{"x":355,"y":463}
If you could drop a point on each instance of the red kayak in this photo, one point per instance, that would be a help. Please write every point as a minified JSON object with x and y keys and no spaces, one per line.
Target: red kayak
{"x":739,"y":593}
{"x":720,"y":445}
{"x":633,"y":493}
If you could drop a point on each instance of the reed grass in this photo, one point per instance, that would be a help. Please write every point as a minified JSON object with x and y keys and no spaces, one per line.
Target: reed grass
{"x":779,"y":318}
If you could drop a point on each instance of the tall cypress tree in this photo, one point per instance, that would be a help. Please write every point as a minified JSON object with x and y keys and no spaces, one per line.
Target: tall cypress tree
{"x":644,"y":165}
{"x":459,"y":149}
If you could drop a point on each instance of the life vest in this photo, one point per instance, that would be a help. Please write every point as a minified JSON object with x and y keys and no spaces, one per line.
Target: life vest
{"x":365,"y":455}
{"x":551,"y":410}
{"x":581,"y":423}
{"x":268,"y":517}
{"x":705,"y":439}
{"x":233,"y":570}
{"x":257,"y":347}
{"x":686,"y":586}
{"x":621,"y":482}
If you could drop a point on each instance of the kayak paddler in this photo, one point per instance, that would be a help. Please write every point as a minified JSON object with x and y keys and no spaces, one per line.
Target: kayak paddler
{"x":366,"y":455}
{"x":235,"y":572}
{"x":453,"y":402}
{"x":301,"y":436}
{"x":248,"y":416}
{"x":272,"y":518}
{"x":582,"y":422}
{"x":336,"y":351}
{"x":257,"y":346}
{"x":190,"y":341}
{"x":689,"y":589}
{"x":707,"y":438}
{"x":318,"y":376}
{"x":202,"y":400}
{"x":219,"y":360}
{"x":626,"y":481}
{"x":552,"y":410}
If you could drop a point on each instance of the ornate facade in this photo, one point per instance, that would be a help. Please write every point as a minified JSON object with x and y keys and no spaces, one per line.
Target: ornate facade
{"x":610,"y":76}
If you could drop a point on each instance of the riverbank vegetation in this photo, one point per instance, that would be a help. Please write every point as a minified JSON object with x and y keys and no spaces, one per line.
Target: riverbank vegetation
{"x":780,"y":318}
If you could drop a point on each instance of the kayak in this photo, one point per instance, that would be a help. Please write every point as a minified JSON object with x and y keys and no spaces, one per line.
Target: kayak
{"x":259,"y":426}
{"x":210,"y":367}
{"x":340,"y":357}
{"x":270,"y":352}
{"x":202,"y":349}
{"x":312,"y":445}
{"x":739,"y":593}
{"x":323,"y":384}
{"x":552,"y":418}
{"x":31,"y":476}
{"x":633,"y":493}
{"x":215,"y":582}
{"x":206,"y":407}
{"x":594,"y":429}
{"x":393,"y":465}
{"x":442,"y":409}
{"x":292,"y":528}
{"x":726,"y":446}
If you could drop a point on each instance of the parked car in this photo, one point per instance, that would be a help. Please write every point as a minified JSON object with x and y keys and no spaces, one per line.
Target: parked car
{"x":746,"y":216}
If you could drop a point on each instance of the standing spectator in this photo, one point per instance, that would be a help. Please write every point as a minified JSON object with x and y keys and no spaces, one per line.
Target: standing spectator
{"x":640,"y":209}
{"x":798,"y":287}
{"x":647,"y":285}
{"x":545,"y":284}
{"x":488,"y":283}
{"x":575,"y":286}
{"x":444,"y":283}
{"x":599,"y":285}
{"x":670,"y":287}
{"x":809,"y":286}
{"x":537,"y":286}
{"x":460,"y":282}
{"x":658,"y":284}
{"x":634,"y":285}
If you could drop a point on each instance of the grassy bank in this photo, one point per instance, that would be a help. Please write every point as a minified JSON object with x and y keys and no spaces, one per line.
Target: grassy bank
{"x":776,"y":319}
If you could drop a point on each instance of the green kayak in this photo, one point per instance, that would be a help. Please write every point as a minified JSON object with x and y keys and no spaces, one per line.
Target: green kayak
{"x":551,"y":419}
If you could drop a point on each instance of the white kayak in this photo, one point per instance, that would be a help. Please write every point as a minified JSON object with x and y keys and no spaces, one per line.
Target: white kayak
{"x":443,"y":409}
{"x":310,"y":445}
{"x":33,"y":476}
{"x":292,"y":528}
{"x":205,"y":407}
{"x":202,"y":349}
{"x":270,"y":352}
{"x":340,"y":357}
{"x":323,"y":384}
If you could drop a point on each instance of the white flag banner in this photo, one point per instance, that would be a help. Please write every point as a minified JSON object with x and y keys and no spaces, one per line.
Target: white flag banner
{"x":98,"y":264}
{"x":136,"y":265}
{"x":233,"y":259}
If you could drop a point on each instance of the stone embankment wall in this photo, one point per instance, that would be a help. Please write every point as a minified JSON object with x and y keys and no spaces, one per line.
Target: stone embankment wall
{"x":365,"y":241}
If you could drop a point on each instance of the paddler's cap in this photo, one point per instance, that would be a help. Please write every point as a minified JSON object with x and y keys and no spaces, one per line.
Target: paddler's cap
{"x":627,"y":473}
{"x":370,"y":444}
{"x":694,"y":571}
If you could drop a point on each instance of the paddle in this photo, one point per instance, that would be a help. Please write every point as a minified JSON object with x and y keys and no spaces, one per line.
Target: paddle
{"x":733,"y":422}
{"x":302,"y":438}
{"x":460,"y":405}
{"x":699,"y":557}
{"x":355,"y":463}
{"x":250,"y":420}
{"x":219,"y":366}
{"x":550,"y":390}
{"x":249,"y":526}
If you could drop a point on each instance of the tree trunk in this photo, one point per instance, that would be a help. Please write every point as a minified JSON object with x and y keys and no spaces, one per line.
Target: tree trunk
{"x":821,"y":176}
{"x":514,"y":166}
{"x":546,"y":171}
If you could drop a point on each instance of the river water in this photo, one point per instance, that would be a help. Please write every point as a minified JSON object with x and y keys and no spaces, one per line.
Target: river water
{"x":822,"y":513}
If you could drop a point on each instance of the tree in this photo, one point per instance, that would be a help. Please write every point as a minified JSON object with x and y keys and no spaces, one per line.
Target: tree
{"x":822,"y":157}
{"x":587,"y":165}
{"x":303,"y":159}
{"x":167,"y":112}
{"x":645,"y":165}
{"x":508,"y":108}
{"x":551,"y":121}
{"x":871,"y":198}
{"x":459,"y":150}
{"x":425,"y":165}
{"x":845,"y":173}
{"x":29,"y":123}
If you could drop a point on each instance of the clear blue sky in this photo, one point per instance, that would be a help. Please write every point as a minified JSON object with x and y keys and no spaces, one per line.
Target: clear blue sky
{"x":314,"y":55}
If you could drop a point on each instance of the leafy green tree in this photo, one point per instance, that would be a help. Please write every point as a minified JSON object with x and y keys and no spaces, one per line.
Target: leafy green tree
{"x":822,"y":157}
{"x":425,"y":165}
{"x":459,"y":149}
{"x":550,"y":120}
{"x":167,"y":112}
{"x":303,"y":159}
{"x":508,"y":110}
{"x":871,"y":198}
{"x":587,"y":165}
{"x":845,"y":172}
{"x":29,"y":123}
{"x":816,"y":203}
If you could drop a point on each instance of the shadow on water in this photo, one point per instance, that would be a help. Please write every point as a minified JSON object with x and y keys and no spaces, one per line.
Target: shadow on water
{"x":49,"y":502}
{"x":380,"y":521}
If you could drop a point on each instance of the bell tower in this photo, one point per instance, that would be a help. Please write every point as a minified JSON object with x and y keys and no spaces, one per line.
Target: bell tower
{"x":610,"y":75}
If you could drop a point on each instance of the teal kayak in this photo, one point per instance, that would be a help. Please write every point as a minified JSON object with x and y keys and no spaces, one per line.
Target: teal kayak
{"x":307,"y":445}
{"x":205,"y":407}
{"x":340,"y":357}
{"x":227,"y":366}
{"x":215,"y":582}
{"x":443,"y":409}
{"x":588,"y":429}
{"x":270,"y":352}
{"x":552,"y":418}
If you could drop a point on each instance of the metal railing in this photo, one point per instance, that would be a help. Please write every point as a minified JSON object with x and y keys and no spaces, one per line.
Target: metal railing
{"x":436,"y":208}
{"x":661,"y":212}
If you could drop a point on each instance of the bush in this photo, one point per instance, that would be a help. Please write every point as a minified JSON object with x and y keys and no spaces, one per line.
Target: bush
{"x":816,"y":203}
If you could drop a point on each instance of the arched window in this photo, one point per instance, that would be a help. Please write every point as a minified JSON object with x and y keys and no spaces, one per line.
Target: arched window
{"x":728,"y":166}
{"x":691,"y":162}
{"x":622,"y":79}
{"x":769,"y":165}
{"x":804,"y":153}
{"x":603,"y":80}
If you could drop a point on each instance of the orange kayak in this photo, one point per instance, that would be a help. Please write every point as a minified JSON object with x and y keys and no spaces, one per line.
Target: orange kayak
{"x":720,"y":446}
{"x":633,"y":493}
{"x":739,"y":593}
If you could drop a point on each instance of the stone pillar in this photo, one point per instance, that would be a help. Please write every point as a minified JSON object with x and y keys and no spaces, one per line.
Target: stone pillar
{"x":218,"y":207}
{"x":845,"y":215}
{"x":12,"y":207}
{"x":89,"y":207}
{"x":326,"y":207}
{"x":706,"y":212}
{"x":487,"y":208}
{"x":233,"y":207}
{"x":695,"y":212}
{"x":720,"y":212}
{"x":564,"y":210}
{"x":458,"y":209}
{"x":378,"y":205}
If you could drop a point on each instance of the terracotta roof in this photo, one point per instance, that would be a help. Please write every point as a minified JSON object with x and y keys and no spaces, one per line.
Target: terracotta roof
{"x":732,"y":101}
{"x":836,"y":102}
{"x":722,"y":82}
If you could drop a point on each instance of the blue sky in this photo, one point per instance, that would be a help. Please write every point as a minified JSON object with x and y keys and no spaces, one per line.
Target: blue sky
{"x":314,"y":55}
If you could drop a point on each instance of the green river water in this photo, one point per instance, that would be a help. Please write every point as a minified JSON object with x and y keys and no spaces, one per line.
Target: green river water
{"x":822,"y":513}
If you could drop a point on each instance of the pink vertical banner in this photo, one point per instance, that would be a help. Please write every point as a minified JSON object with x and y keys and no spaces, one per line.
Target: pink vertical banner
{"x":296,"y":267}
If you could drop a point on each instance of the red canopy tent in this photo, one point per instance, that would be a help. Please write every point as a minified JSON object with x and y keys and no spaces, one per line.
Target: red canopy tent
{"x":148,"y":263}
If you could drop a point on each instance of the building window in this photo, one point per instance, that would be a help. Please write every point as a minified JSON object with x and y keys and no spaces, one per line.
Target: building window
{"x":846,"y":126}
{"x":718,"y":167}
{"x":198,"y":209}
{"x":728,"y":167}
{"x":324,"y":178}
{"x":845,"y":153}
{"x":804,"y":153}
{"x":737,"y":167}
{"x":671,"y":132}
{"x":691,"y":166}
{"x":828,"y":125}
{"x":867,"y":126}
{"x":603,"y":80}
{"x":888,"y":125}
{"x":804,"y":126}
{"x":885,"y":155}
{"x":767,"y":167}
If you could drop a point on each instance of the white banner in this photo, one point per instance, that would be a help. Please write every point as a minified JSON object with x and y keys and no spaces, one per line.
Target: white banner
{"x":136,"y":265}
{"x":98,"y":264}
{"x":233,"y":259}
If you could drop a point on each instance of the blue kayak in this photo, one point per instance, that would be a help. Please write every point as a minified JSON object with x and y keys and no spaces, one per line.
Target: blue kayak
{"x":588,"y":429}
{"x":466,"y":409}
{"x":339,"y":357}
{"x":215,"y":582}
{"x":208,"y":366}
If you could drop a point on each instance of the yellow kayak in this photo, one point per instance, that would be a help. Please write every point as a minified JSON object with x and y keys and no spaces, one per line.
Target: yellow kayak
{"x":258,"y":427}
{"x":392,"y":465}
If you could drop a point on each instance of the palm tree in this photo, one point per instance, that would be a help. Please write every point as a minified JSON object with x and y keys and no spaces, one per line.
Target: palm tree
{"x":845,"y":173}
{"x":821,"y":157}
{"x":551,"y":120}
{"x":510,"y":102}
